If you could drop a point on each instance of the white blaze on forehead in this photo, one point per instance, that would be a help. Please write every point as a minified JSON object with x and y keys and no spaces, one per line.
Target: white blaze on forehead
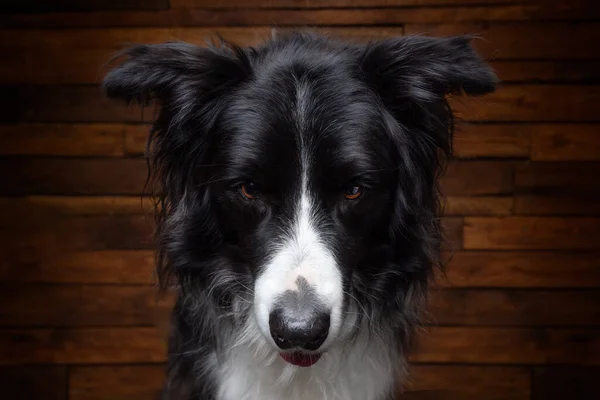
{"x":303,"y":252}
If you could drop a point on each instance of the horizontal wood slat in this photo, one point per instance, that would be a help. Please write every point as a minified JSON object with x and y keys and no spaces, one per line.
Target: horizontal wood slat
{"x":479,"y":205}
{"x":493,"y":383}
{"x":478,"y":178}
{"x":558,"y":178}
{"x":547,"y":71}
{"x":493,"y":140}
{"x":518,"y":269}
{"x":24,"y":383}
{"x":515,"y":308}
{"x":79,"y":305}
{"x":566,"y":143}
{"x":37,"y":6}
{"x":509,"y":346}
{"x":565,"y":204}
{"x":116,"y":383}
{"x":541,"y":233}
{"x":547,"y":40}
{"x":82,"y":346}
{"x":75,"y":205}
{"x":324,"y":3}
{"x":55,"y":266}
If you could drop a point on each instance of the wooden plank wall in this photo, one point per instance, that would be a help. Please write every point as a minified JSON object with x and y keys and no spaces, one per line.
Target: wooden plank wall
{"x":519,"y":314}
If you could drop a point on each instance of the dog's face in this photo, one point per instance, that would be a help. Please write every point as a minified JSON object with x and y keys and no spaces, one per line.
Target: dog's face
{"x":299,"y":179}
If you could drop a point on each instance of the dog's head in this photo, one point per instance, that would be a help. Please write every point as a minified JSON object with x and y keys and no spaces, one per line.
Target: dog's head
{"x":298,"y":180}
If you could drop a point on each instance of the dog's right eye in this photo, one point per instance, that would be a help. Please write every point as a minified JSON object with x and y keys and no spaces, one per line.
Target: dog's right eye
{"x":249,"y":190}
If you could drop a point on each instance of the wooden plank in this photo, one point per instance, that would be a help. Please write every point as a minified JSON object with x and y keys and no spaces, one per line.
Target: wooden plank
{"x":82,"y":346}
{"x":492,"y":140}
{"x":62,"y":139}
{"x":73,"y":176}
{"x":557,"y":383}
{"x":457,"y":205}
{"x":38,"y":6}
{"x":478,"y":178}
{"x":579,"y":142}
{"x":515,"y":308}
{"x":531,"y":233}
{"x":453,"y":232}
{"x":297,"y":16}
{"x":509,"y":346}
{"x":26,"y":383}
{"x":567,"y":204}
{"x":35,"y":305}
{"x":547,"y":71}
{"x":136,"y":138}
{"x":533,"y":103}
{"x":558,"y":178}
{"x":536,"y":40}
{"x":512,"y":269}
{"x":139,"y":382}
{"x":98,"y":232}
{"x":76,"y":205}
{"x":323,"y":3}
{"x":108,"y":266}
{"x":493,"y":383}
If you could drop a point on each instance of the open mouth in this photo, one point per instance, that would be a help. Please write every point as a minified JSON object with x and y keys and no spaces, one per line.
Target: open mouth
{"x":300,"y":359}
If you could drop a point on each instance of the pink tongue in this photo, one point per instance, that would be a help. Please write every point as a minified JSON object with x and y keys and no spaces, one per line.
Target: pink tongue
{"x":300,"y":359}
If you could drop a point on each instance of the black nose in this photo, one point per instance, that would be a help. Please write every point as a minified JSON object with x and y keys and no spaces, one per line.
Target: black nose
{"x":306,"y":332}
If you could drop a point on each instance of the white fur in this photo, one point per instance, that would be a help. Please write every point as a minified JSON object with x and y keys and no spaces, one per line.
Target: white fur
{"x":363,"y":369}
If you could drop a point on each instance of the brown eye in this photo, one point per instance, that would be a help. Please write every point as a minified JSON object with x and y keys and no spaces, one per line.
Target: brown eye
{"x":353,"y":192}
{"x":249,"y":190}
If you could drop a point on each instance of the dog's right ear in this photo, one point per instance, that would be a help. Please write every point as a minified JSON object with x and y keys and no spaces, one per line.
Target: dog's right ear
{"x":177,"y":74}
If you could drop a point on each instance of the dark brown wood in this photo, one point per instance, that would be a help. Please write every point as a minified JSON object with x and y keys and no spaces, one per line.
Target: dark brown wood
{"x":557,"y":383}
{"x":62,"y":139}
{"x":324,"y":3}
{"x":73,"y":176}
{"x":509,"y":346}
{"x":36,"y":6}
{"x":532,"y":233}
{"x":453,"y":232}
{"x":82,"y":346}
{"x":565,"y":204}
{"x":548,"y":71}
{"x":558,"y":178}
{"x":523,"y":269}
{"x":480,"y":205}
{"x":493,"y":383}
{"x":80,"y":305}
{"x":76,"y":205}
{"x":27,"y":383}
{"x":55,"y":266}
{"x":492,"y":140}
{"x":515,"y":308}
{"x":547,"y":40}
{"x":478,"y":178}
{"x":579,"y":142}
{"x":138,"y":382}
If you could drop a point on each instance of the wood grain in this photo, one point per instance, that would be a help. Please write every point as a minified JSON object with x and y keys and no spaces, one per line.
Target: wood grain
{"x":558,"y":178}
{"x":480,"y":205}
{"x":565,"y":204}
{"x":494,"y":383}
{"x":88,"y":5}
{"x":509,"y":346}
{"x":579,"y":142}
{"x":140,"y":382}
{"x":81,"y":305}
{"x":515,"y":308}
{"x":55,"y":266}
{"x":587,"y":71}
{"x":324,"y":3}
{"x":82,"y":346}
{"x":533,"y":233}
{"x":478,"y":178}
{"x":75,"y":205}
{"x":518,"y":269}
{"x":493,"y":140}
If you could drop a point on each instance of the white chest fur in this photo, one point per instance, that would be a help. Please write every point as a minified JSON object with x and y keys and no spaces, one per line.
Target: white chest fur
{"x":364,"y":370}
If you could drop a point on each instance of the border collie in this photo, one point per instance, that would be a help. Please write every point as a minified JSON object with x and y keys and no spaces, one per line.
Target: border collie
{"x":297,"y":209}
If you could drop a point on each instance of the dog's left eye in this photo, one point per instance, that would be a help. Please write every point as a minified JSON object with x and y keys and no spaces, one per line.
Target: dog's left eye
{"x":249,"y":190}
{"x":353,"y":192}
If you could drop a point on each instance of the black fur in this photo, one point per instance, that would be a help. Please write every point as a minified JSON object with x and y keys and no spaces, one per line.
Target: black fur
{"x":378,"y":115}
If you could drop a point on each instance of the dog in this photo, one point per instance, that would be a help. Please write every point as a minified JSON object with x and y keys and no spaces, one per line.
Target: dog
{"x":298,"y":205}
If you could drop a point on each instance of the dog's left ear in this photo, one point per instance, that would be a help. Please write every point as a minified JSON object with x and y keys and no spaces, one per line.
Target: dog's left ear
{"x":424,"y":69}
